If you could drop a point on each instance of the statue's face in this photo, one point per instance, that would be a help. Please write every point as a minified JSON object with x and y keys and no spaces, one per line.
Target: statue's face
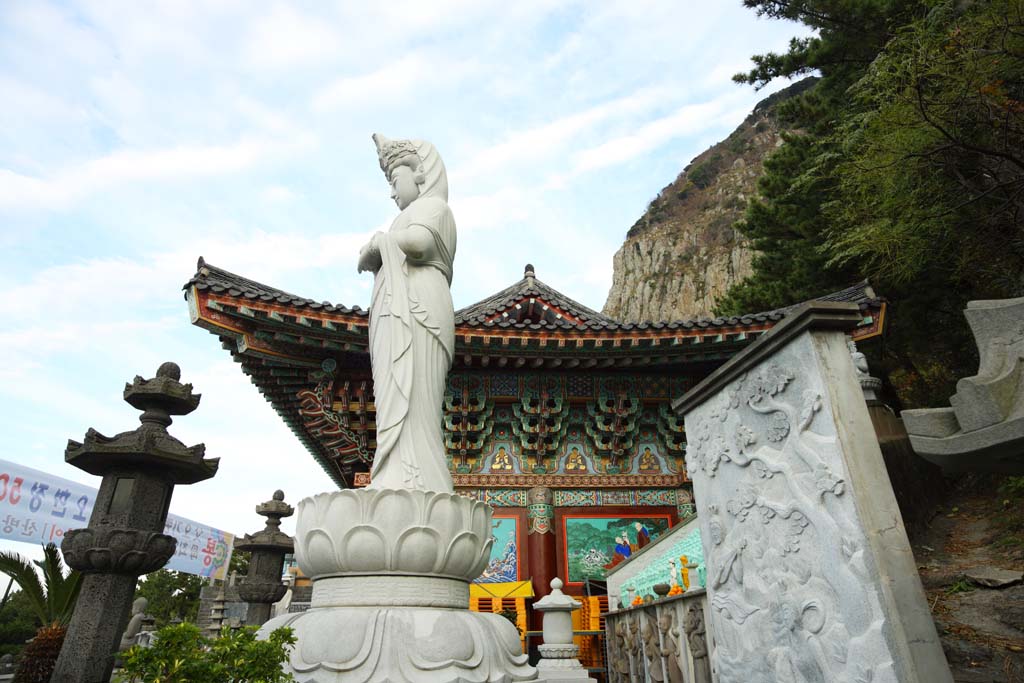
{"x":404,"y":189}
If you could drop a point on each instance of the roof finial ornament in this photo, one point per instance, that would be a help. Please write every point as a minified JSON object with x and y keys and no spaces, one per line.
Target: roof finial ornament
{"x":529,"y":271}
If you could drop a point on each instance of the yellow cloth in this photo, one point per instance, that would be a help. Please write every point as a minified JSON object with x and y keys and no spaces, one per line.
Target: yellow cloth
{"x":511,"y":589}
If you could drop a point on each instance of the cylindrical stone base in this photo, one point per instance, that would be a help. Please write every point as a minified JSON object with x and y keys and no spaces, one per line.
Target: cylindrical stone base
{"x":402,"y":645}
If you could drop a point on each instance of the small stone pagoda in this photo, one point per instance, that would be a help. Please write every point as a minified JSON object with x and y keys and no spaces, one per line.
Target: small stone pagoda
{"x":555,"y":415}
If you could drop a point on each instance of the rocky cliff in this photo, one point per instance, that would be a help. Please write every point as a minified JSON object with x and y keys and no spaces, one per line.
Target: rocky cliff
{"x":684,"y":253}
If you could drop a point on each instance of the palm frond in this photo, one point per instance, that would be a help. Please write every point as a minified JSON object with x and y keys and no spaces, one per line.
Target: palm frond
{"x":24,"y":574}
{"x":61,"y":589}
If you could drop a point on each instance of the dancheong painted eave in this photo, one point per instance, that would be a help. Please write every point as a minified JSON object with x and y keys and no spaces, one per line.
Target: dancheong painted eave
{"x":291,"y":345}
{"x":498,"y":329}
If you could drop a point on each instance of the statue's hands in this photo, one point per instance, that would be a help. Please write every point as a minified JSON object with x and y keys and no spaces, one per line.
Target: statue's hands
{"x":369,"y":256}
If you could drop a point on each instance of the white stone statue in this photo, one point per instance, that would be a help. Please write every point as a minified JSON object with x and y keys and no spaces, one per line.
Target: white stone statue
{"x":134,"y":624}
{"x":412,"y":326}
{"x":391,"y":563}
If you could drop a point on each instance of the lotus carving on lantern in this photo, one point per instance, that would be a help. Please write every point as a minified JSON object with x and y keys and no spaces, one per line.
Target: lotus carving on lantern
{"x":117,"y":550}
{"x":392,"y":531}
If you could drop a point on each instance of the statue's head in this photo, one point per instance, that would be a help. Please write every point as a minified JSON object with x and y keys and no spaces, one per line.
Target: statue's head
{"x":403,"y":168}
{"x":413,"y":168}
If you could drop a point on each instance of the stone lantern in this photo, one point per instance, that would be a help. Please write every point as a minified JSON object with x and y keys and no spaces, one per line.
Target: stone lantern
{"x":262,"y":586}
{"x":558,"y":662}
{"x":125,"y":536}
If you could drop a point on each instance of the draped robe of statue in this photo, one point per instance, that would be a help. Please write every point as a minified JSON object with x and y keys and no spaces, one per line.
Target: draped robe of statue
{"x":412,"y":340}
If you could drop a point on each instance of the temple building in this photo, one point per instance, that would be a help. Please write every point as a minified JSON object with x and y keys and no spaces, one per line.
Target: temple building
{"x":556,"y":415}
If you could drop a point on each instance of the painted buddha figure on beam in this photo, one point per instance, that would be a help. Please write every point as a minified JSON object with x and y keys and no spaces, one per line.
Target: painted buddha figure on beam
{"x":412,"y":326}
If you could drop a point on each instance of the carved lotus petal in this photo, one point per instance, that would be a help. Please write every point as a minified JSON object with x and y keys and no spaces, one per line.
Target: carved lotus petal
{"x":485,"y":557}
{"x":316,"y":553}
{"x":449,"y":520}
{"x":342,"y":509}
{"x":462,"y":554}
{"x":417,"y":550}
{"x":388,"y":505}
{"x":364,"y":549}
{"x":383,"y":531}
{"x":117,"y":550}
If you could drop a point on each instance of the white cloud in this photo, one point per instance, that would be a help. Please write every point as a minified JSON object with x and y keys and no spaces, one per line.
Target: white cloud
{"x":553,"y":137}
{"x":133,"y":166}
{"x":286,"y":38}
{"x":685,"y":121}
{"x":278,"y":194}
{"x":396,"y":81}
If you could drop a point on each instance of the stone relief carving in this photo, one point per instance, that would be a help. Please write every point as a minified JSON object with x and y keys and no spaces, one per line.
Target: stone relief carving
{"x":696,"y":638}
{"x":670,"y":648}
{"x":787,"y":572}
{"x":652,"y":650}
{"x":619,"y":660}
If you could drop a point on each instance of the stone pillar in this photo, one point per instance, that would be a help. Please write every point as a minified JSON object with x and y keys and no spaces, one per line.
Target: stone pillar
{"x":806,"y":553}
{"x":262,"y":586}
{"x":559,"y":663}
{"x":124,"y":538}
{"x":540,"y":535}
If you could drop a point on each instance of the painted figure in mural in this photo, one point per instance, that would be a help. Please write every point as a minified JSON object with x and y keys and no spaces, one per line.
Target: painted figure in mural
{"x":648,"y":463}
{"x":574,"y":462}
{"x":643,"y":536}
{"x":622,"y":552}
{"x":412,"y":323}
{"x":502,"y":461}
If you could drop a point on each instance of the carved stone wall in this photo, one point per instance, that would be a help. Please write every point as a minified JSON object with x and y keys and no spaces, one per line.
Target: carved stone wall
{"x":665,"y":641}
{"x":809,"y":573}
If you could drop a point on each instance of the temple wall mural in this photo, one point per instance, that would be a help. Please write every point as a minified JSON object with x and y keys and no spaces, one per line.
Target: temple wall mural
{"x":593,"y":544}
{"x":504,"y":565}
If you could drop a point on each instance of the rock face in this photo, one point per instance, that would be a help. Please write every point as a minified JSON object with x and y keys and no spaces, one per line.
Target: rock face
{"x":683,"y":253}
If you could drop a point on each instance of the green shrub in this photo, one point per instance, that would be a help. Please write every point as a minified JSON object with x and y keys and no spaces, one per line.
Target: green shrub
{"x":705,"y":172}
{"x":181,"y":654}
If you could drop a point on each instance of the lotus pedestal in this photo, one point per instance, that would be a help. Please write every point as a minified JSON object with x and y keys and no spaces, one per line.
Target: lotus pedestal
{"x":391,"y":572}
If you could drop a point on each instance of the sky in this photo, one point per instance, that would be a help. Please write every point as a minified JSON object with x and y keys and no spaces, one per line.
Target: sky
{"x":137,"y":136}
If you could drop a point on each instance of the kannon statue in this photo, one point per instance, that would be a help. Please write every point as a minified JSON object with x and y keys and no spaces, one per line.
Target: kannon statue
{"x":412,"y":320}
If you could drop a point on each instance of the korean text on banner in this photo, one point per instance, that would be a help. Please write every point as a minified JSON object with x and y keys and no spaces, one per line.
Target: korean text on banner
{"x":37,"y":507}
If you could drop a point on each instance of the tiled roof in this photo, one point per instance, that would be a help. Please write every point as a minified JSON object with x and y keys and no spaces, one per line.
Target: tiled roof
{"x":220,"y":281}
{"x":530,"y":302}
{"x":528,"y":305}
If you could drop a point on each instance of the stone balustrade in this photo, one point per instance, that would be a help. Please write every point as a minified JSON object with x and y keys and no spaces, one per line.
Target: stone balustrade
{"x":665,"y":640}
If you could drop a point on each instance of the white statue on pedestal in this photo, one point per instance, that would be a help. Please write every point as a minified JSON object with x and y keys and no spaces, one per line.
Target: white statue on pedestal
{"x":412,"y":325}
{"x":391,"y":564}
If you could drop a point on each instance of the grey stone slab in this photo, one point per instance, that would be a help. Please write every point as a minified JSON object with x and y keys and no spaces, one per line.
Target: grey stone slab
{"x":993,"y":577}
{"x":809,"y":572}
